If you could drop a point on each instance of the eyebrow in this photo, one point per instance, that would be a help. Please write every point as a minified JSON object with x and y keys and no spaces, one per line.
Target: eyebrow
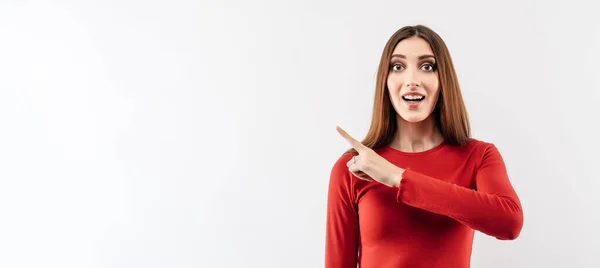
{"x":420,"y":57}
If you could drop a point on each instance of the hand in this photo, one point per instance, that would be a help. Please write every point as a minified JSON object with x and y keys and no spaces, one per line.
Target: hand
{"x":368,"y":165}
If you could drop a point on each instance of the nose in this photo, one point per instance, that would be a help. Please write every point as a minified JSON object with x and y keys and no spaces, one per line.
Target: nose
{"x":412,"y":79}
{"x":412,"y":84}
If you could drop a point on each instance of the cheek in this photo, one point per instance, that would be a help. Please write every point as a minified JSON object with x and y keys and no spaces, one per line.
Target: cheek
{"x":433,"y":87}
{"x":394,"y":83}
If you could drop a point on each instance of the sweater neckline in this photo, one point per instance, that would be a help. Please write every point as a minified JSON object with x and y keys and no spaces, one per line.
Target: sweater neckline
{"x":429,"y":151}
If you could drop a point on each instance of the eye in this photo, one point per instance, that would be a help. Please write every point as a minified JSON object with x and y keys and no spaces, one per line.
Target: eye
{"x":396,"y":67}
{"x":428,"y":67}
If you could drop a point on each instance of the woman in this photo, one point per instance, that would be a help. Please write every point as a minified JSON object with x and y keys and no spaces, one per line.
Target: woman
{"x":414,"y":190}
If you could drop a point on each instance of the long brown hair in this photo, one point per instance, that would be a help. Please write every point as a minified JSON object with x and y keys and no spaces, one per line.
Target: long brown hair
{"x":450,"y":113}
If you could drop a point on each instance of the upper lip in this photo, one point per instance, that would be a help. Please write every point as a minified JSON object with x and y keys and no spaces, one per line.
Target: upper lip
{"x":413,"y":94}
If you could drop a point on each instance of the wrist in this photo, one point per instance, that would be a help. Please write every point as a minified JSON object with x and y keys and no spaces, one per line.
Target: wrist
{"x":397,"y":177}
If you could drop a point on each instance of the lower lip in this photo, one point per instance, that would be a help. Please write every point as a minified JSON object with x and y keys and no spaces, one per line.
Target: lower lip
{"x":413,"y":104}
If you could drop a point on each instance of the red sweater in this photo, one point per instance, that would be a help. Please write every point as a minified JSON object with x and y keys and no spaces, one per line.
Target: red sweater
{"x":429,"y":220}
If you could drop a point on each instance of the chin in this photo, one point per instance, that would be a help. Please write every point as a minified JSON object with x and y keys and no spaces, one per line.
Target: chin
{"x":414,"y":118}
{"x":412,"y":115}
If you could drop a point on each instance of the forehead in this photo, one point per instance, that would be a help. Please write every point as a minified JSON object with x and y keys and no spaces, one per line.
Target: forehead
{"x":413,"y":47}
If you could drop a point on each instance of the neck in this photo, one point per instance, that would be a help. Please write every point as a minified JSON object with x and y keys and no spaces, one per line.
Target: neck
{"x":416,"y":137}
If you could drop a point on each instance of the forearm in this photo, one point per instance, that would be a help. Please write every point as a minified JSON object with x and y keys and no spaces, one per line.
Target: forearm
{"x":497,"y":215}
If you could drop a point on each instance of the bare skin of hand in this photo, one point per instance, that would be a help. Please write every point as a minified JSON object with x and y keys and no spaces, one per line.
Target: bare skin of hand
{"x":368,"y":165}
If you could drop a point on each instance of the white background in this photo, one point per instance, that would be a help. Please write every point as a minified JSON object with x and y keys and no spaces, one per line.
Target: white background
{"x":202,"y":134}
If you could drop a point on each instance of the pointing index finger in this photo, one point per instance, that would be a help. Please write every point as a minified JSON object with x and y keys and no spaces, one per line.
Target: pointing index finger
{"x":353,"y":142}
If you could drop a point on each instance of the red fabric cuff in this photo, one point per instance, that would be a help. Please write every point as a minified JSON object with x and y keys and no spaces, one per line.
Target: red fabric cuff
{"x":402,"y":185}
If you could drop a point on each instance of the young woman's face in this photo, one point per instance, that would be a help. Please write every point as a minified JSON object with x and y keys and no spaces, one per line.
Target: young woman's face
{"x":413,"y":81}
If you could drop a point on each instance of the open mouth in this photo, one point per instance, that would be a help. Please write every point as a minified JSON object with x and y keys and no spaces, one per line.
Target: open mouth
{"x":413,"y":98}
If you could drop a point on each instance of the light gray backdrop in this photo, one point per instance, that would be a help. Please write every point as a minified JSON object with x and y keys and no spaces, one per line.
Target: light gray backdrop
{"x":202,"y":134}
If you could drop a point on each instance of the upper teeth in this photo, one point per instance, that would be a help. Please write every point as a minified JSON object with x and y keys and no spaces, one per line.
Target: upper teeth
{"x":413,"y":97}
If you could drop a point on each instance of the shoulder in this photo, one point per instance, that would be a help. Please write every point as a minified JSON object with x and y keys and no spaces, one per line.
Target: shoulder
{"x":482,"y":151}
{"x":477,"y":146}
{"x":339,"y":166}
{"x":340,"y":178}
{"x":339,"y":170}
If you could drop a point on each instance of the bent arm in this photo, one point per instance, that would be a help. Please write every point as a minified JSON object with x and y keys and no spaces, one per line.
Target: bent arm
{"x":493,"y":208}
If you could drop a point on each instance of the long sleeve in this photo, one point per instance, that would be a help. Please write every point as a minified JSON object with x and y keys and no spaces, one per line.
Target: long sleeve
{"x":341,"y":247}
{"x":492,"y":208}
